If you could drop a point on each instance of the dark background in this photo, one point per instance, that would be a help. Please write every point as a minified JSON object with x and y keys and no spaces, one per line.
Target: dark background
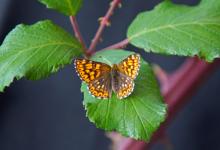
{"x":48,"y":114}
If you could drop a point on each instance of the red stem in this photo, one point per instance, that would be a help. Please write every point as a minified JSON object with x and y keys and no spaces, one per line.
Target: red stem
{"x":78,"y":33}
{"x":103,"y":24}
{"x":162,"y":76}
{"x":182,"y":84}
{"x":118,"y":45}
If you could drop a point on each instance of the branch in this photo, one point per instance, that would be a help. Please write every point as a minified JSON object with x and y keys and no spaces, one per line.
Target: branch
{"x":162,"y":76}
{"x":182,"y":84}
{"x":118,"y":45}
{"x":78,"y":34}
{"x":104,"y":22}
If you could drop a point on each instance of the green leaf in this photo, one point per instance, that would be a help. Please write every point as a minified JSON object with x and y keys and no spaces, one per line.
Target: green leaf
{"x":179,"y":30}
{"x":136,"y":116}
{"x":35,"y":51}
{"x":67,"y":7}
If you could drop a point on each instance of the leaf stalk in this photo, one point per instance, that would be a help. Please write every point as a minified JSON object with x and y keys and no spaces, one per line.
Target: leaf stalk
{"x":78,"y":34}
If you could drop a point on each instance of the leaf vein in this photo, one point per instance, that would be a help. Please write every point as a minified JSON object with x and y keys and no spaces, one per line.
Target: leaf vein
{"x":167,"y":26}
{"x":138,"y":115}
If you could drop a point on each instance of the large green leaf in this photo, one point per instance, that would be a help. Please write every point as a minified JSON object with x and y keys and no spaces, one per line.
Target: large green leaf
{"x":35,"y":51}
{"x":67,"y":7}
{"x":179,"y":30}
{"x":136,"y":116}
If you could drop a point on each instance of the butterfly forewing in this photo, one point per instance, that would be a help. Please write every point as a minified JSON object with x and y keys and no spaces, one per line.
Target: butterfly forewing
{"x":130,"y":66}
{"x":89,"y":70}
{"x":96,"y":75}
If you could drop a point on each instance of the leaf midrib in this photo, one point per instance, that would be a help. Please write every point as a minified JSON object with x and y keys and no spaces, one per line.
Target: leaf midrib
{"x":167,"y":26}
{"x":69,"y":4}
{"x":77,"y":4}
{"x":28,"y":49}
{"x":139,"y":117}
{"x":41,"y":46}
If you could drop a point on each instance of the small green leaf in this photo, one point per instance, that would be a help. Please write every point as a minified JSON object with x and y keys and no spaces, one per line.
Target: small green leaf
{"x":179,"y":30}
{"x":136,"y":116}
{"x":35,"y":51}
{"x":67,"y":7}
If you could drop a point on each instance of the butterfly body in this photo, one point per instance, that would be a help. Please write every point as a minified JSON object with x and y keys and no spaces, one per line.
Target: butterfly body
{"x":102,"y":79}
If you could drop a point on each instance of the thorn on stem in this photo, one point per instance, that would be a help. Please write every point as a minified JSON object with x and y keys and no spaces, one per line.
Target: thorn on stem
{"x":100,"y":39}
{"x":119,"y":5}
{"x":104,"y":21}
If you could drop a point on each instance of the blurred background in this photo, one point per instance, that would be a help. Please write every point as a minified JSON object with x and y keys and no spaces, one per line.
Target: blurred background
{"x":48,"y":114}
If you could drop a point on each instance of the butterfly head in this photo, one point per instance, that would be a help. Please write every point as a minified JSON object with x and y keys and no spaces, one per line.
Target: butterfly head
{"x":114,"y":68}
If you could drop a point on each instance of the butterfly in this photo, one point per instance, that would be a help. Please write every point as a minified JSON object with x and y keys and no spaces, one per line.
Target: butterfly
{"x":102,"y":78}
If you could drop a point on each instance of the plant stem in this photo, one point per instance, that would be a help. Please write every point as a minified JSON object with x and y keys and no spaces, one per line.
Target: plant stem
{"x":78,"y":34}
{"x":104,"y":22}
{"x":118,"y":45}
{"x":161,"y":75}
{"x":182,"y":84}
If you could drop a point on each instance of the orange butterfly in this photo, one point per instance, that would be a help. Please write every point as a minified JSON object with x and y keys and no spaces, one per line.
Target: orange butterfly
{"x":102,"y":79}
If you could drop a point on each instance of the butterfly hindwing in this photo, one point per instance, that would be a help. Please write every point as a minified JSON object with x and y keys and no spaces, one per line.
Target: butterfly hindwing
{"x":101,"y":87}
{"x":124,"y":86}
{"x":130,"y":66}
{"x":89,"y":70}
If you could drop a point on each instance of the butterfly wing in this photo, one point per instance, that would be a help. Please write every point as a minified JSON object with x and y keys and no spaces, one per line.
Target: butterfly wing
{"x":96,"y":75}
{"x":123,"y":86}
{"x":101,"y":87}
{"x":130,"y":66}
{"x":127,"y":71}
{"x":89,"y":70}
